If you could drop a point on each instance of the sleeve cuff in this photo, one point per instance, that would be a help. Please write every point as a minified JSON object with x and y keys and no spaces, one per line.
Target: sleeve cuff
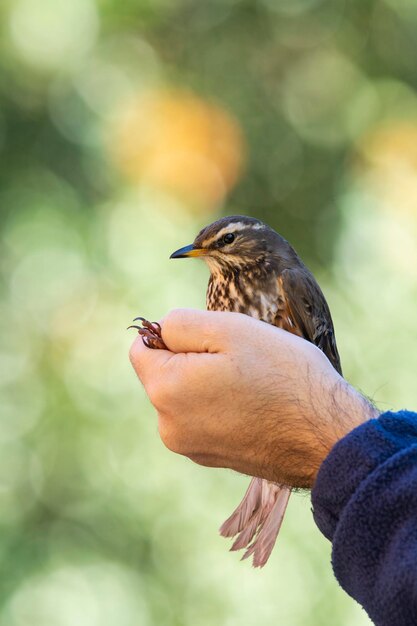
{"x":353,"y":459}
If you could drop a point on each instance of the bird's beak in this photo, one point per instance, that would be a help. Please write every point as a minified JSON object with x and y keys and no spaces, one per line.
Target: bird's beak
{"x":188,"y":251}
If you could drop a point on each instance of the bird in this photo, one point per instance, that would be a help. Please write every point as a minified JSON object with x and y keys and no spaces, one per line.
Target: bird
{"x":255,"y":271}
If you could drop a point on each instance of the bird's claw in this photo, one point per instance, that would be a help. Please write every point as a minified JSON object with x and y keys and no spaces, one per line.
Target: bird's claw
{"x":150,"y":333}
{"x":153,"y":326}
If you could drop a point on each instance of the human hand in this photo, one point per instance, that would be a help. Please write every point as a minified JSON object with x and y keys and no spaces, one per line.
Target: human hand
{"x":235,"y":392}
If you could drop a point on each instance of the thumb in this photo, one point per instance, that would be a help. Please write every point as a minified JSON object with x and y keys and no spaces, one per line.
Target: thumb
{"x":190,"y":330}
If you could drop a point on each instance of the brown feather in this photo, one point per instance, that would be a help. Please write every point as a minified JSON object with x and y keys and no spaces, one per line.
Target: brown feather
{"x":262,"y":547}
{"x":244,"y":512}
{"x":309,"y":311}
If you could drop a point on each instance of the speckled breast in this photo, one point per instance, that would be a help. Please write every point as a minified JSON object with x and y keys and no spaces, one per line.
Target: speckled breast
{"x":241,"y":293}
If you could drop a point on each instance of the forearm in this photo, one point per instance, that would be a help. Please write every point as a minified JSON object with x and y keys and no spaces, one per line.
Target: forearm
{"x":365,"y":502}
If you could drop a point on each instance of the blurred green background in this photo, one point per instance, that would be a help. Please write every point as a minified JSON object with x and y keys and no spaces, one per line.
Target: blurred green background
{"x":124,"y":128}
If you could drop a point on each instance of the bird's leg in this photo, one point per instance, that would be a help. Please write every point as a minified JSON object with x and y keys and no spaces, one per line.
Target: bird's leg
{"x":150,"y":333}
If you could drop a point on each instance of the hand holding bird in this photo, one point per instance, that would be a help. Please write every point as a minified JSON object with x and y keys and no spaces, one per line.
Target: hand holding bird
{"x":256,"y":272}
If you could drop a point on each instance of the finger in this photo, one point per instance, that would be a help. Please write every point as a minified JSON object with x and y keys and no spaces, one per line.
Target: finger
{"x":190,"y":330}
{"x":146,"y":362}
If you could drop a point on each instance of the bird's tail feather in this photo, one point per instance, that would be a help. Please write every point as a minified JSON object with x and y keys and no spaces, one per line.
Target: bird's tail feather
{"x":258,"y":519}
{"x":266,"y":537}
{"x":241,"y":516}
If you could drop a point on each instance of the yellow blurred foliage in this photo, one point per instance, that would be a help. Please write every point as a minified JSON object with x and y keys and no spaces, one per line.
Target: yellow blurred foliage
{"x":176,"y":141}
{"x":390,"y":153}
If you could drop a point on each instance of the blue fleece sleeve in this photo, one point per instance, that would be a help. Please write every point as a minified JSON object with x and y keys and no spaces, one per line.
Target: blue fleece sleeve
{"x":365,"y":503}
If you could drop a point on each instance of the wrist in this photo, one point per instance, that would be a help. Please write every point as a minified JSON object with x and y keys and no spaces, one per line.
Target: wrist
{"x":344,"y":410}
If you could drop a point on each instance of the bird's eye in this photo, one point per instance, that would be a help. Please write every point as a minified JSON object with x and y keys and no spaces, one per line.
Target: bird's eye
{"x":228,"y":238}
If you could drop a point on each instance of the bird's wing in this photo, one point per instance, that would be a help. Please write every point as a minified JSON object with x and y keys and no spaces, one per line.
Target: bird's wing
{"x":309,"y":311}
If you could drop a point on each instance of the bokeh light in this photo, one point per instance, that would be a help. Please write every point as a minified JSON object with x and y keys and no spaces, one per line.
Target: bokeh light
{"x":52,"y":34}
{"x":178,"y":142}
{"x":100,"y":594}
{"x":390,"y":155}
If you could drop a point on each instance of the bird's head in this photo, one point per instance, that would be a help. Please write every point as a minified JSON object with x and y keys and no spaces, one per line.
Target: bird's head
{"x":232,"y":243}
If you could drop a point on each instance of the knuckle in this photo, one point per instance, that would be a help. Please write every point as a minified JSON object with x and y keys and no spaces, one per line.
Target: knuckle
{"x":170,"y":436}
{"x":161,"y":393}
{"x":174,"y":318}
{"x":133,"y":353}
{"x":152,"y":392}
{"x":136,"y":358}
{"x":155,"y":392}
